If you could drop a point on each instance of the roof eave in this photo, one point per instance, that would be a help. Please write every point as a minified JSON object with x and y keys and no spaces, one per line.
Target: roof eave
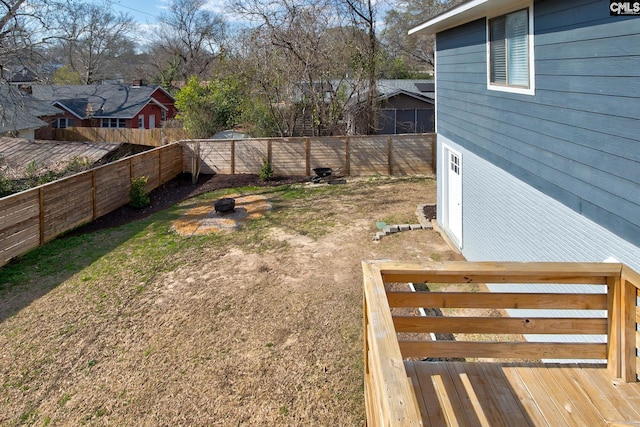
{"x":63,"y":107}
{"x":419,"y":97}
{"x":464,"y":12}
{"x":163,"y":90}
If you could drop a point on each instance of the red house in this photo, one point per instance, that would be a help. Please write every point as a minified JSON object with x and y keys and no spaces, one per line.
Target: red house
{"x":108,"y":105}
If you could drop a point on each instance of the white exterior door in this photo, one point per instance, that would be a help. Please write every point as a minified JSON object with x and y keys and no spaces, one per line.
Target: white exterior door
{"x":453,"y":194}
{"x":152,"y":121}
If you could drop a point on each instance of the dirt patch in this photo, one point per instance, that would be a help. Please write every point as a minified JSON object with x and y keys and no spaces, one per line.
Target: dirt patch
{"x":203,"y":218}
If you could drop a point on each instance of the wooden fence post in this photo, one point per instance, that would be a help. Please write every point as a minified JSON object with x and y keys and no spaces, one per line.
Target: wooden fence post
{"x":389,"y":157}
{"x":347,"y":161}
{"x":41,"y":203}
{"x":233,"y":157}
{"x":307,"y":156}
{"x":94,"y":194}
{"x":160,"y":167}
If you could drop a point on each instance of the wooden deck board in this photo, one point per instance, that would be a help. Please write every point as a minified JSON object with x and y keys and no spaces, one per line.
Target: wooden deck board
{"x":521,"y":390}
{"x":604,"y":404}
{"x":520,"y":394}
{"x":435,"y":381}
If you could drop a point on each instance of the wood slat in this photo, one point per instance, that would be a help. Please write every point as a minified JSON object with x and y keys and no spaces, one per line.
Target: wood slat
{"x":537,"y":392}
{"x":471,"y":381}
{"x":632,"y":276}
{"x":501,"y":325}
{"x":519,"y":394}
{"x":521,"y":389}
{"x":20,"y":242}
{"x":15,"y":208}
{"x":510,"y":402}
{"x":494,"y":278}
{"x":571,"y":397}
{"x":445,"y":406}
{"x":505,"y":350}
{"x":497,"y":300}
{"x":387,"y":368}
{"x":149,"y":137}
{"x":417,"y":390}
{"x":600,"y":397}
{"x":495,"y":272}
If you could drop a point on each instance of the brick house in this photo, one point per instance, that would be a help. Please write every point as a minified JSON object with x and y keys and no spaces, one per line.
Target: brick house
{"x":108,"y":105}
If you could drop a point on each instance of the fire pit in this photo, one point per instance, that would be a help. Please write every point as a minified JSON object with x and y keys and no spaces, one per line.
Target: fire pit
{"x":225,"y":205}
{"x":321,"y":173}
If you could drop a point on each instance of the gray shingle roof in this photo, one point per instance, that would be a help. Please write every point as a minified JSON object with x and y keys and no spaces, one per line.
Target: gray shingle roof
{"x":21,"y":111}
{"x":424,"y":88}
{"x":105,"y":100}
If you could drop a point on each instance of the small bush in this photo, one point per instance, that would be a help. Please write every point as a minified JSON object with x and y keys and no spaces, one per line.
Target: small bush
{"x":266,"y":172}
{"x":139,"y":198}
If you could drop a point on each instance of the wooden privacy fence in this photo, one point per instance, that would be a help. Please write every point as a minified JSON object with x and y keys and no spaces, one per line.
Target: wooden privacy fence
{"x":351,"y":155}
{"x":390,"y":337}
{"x":149,"y":137}
{"x":33,"y":217}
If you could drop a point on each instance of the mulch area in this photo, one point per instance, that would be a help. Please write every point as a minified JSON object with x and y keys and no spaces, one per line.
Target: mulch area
{"x":177,"y":190}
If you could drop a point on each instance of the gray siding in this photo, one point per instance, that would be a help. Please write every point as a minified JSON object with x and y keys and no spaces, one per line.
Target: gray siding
{"x":506,"y":219}
{"x":577,"y":140}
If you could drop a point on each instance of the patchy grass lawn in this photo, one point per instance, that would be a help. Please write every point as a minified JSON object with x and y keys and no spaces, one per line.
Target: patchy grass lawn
{"x":139,"y":325}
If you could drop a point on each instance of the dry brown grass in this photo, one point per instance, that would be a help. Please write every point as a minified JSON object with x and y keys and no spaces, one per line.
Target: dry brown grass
{"x":260,"y":326}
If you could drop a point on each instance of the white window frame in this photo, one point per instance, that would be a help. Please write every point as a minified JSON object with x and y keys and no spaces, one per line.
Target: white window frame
{"x":118,"y":122}
{"x":141,"y":121}
{"x":530,"y":42}
{"x":62,"y":123}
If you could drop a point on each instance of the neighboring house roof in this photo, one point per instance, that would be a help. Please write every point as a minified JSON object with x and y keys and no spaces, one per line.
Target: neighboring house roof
{"x":424,"y":90}
{"x":464,"y":12}
{"x":421,"y":89}
{"x":22,"y":75}
{"x":21,"y":111}
{"x":231,"y":134}
{"x":101,"y":100}
{"x":17,"y":154}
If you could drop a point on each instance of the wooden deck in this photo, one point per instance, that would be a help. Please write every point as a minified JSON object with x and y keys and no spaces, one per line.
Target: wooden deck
{"x":405,"y":386}
{"x":512,"y":394}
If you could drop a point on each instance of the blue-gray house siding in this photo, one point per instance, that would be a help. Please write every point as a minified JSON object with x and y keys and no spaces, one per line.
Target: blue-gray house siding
{"x":572,"y":149}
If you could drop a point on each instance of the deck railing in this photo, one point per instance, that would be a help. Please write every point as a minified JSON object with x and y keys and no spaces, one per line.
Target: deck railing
{"x":388,"y":391}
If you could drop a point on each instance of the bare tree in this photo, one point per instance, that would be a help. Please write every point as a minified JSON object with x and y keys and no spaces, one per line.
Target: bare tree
{"x":306,"y":59}
{"x":188,"y":41}
{"x":363,"y":16}
{"x":415,"y":51}
{"x":93,"y":37}
{"x":23,"y":30}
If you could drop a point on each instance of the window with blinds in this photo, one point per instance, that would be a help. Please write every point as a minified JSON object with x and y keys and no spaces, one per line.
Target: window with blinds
{"x":509,"y":49}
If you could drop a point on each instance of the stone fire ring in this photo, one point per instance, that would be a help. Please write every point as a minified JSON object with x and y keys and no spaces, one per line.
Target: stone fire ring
{"x":203,"y":218}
